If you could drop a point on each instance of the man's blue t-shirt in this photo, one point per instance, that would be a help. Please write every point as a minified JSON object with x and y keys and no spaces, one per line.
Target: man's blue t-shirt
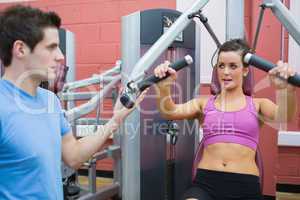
{"x":31,"y":130}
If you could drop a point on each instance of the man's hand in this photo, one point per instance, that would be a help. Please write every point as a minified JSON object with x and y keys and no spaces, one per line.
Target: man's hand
{"x":120,"y":112}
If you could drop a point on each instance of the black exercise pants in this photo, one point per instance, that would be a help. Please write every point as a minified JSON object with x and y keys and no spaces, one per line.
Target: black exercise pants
{"x":217,"y":185}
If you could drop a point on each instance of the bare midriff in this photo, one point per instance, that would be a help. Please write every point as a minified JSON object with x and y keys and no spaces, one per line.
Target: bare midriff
{"x":229,"y":157}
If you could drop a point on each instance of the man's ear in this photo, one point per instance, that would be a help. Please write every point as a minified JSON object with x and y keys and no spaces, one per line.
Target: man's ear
{"x":20,"y":49}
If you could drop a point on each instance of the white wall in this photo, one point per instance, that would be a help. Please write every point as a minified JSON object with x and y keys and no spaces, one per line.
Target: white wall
{"x":215,"y":11}
{"x":294,"y":48}
{"x":183,"y":5}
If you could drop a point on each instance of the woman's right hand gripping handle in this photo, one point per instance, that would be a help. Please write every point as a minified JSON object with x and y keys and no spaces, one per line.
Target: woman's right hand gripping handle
{"x":161,"y":71}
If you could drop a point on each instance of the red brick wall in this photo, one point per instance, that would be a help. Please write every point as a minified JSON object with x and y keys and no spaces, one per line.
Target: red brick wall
{"x":289,"y":165}
{"x":96,"y":25}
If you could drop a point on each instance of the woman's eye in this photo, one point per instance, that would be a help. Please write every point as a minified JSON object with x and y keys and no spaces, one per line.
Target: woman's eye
{"x":221,"y":66}
{"x":233,"y":66}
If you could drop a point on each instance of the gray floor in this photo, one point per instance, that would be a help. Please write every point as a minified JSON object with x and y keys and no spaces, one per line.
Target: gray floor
{"x":106,"y":181}
{"x":287,"y":196}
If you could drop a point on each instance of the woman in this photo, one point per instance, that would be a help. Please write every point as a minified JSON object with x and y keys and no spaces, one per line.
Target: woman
{"x":225,"y":163}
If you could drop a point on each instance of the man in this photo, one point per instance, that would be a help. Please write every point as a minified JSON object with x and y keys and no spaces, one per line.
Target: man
{"x":34,"y":135}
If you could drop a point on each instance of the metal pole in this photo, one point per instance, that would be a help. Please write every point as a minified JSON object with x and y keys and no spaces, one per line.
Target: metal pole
{"x":234,"y":19}
{"x":92,"y":177}
{"x":83,"y":109}
{"x":165,"y":40}
{"x":285,"y":17}
{"x":93,"y":80}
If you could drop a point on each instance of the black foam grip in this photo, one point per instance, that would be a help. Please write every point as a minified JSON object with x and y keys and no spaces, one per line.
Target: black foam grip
{"x":147,"y":82}
{"x":266,"y":65}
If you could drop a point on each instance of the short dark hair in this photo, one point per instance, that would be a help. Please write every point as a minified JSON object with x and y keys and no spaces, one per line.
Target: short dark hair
{"x":26,"y":24}
{"x":239,"y":45}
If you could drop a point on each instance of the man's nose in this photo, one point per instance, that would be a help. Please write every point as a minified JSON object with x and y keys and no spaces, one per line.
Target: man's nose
{"x":60,"y":56}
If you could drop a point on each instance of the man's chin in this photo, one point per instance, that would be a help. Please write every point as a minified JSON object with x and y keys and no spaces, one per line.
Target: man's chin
{"x":51,"y":76}
{"x":48,"y":77}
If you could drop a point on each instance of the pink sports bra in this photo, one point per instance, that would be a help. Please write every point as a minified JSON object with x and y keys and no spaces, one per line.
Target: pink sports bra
{"x":240,"y":127}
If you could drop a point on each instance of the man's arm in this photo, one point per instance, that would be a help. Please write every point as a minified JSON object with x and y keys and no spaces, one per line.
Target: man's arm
{"x":76,"y":152}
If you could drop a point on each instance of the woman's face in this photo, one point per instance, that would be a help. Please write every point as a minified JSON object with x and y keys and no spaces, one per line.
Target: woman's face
{"x":230,"y":70}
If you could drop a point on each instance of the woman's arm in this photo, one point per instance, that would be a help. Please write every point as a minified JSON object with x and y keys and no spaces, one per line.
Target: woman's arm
{"x":286,"y":105}
{"x":165,"y":103}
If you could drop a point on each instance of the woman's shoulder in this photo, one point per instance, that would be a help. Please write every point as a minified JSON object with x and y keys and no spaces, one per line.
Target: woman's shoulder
{"x":262,"y":102}
{"x":203,"y":100}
